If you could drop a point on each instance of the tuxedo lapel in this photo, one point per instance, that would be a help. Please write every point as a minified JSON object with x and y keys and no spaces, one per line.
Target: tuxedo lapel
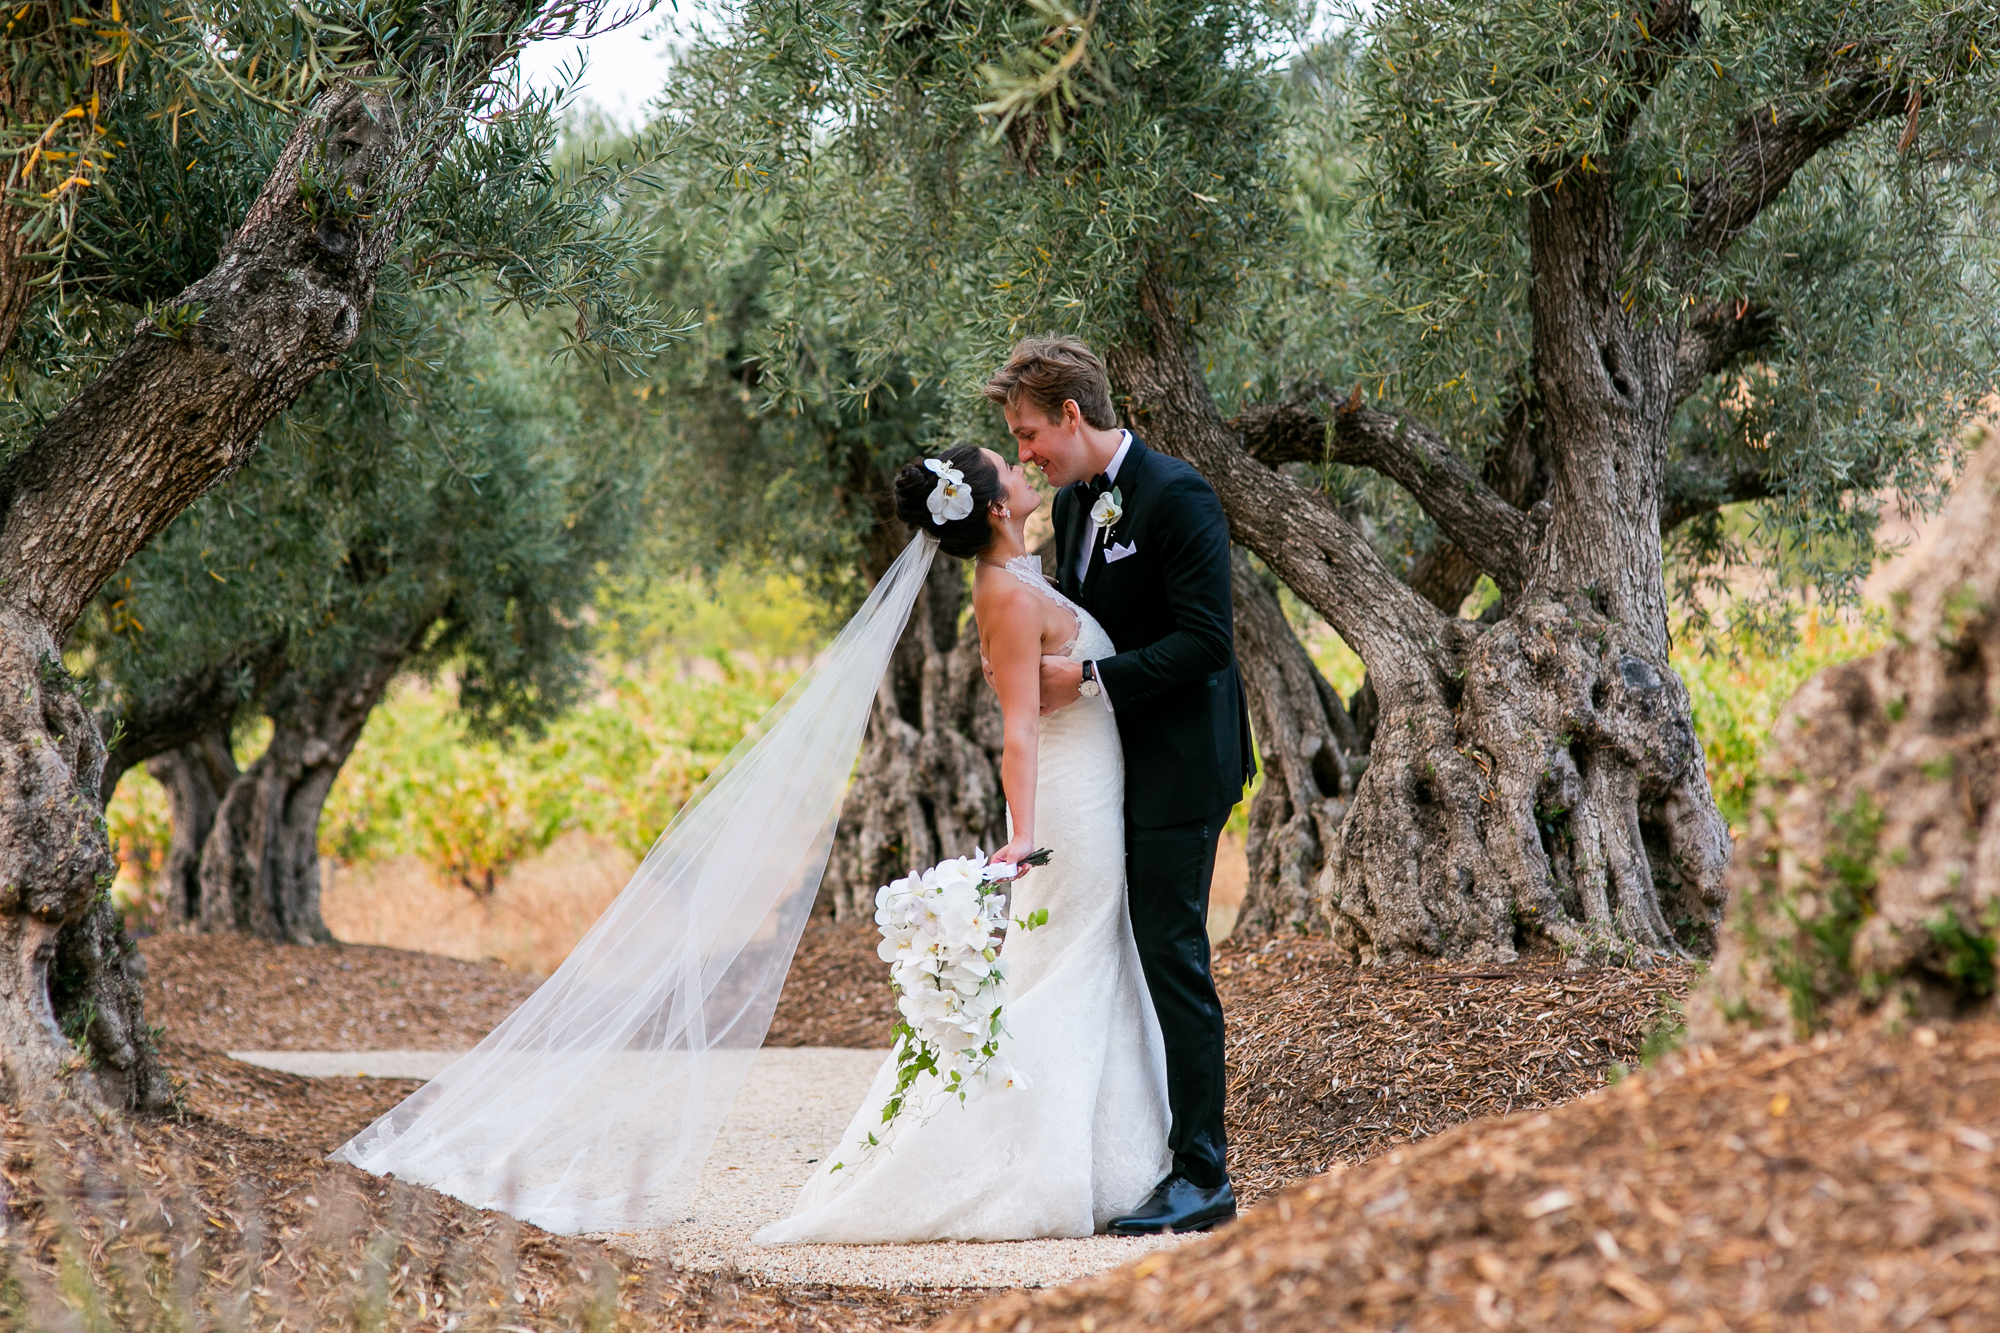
{"x":1078,"y":525}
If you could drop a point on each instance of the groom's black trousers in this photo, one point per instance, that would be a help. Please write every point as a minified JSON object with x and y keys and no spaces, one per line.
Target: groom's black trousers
{"x":1167,"y":874}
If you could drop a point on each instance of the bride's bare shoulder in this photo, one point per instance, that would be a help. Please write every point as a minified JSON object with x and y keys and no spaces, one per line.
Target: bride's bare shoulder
{"x":1003,"y":602}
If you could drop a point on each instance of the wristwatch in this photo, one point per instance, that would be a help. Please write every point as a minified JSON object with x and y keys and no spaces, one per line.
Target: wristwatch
{"x":1089,"y":687}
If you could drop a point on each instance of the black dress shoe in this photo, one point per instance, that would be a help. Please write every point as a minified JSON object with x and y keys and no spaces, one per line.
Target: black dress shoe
{"x":1177,"y":1204}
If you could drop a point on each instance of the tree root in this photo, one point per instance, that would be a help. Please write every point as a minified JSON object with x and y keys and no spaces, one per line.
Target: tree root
{"x":1555,"y":793}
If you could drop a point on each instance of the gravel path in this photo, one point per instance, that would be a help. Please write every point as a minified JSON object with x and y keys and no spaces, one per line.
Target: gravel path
{"x":792,"y":1109}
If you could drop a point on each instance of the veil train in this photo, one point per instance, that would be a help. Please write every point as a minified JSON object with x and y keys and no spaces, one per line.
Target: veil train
{"x":593,"y":1105}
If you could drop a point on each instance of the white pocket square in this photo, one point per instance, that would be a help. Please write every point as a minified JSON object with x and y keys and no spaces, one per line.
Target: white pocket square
{"x":1118,"y":551}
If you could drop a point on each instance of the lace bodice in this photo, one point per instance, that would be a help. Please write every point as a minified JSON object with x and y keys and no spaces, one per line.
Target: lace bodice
{"x":1090,"y":641}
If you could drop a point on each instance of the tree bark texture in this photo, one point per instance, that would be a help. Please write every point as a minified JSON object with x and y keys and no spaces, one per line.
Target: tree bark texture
{"x":259,"y":870}
{"x":179,"y":409}
{"x":186,"y":712}
{"x":1311,"y":757}
{"x":196,"y":776}
{"x":70,"y":1014}
{"x":1869,"y":886}
{"x":928,"y":783}
{"x":1536,"y":779}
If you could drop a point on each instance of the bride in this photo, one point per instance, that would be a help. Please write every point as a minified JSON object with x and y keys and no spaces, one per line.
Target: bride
{"x":1084,"y":1139}
{"x":592,"y":1107}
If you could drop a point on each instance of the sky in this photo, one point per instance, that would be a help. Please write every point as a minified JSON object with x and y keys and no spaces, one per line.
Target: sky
{"x":623,"y":68}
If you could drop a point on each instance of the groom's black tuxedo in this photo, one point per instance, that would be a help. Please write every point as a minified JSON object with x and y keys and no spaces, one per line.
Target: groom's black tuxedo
{"x":1158,"y":581}
{"x":1183,"y":718}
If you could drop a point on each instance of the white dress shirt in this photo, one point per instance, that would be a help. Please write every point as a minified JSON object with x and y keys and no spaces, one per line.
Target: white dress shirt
{"x":1110,"y":474}
{"x":1090,"y":547}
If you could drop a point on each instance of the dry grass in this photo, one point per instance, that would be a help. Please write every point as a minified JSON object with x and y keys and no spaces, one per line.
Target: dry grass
{"x":535,"y":915}
{"x":1846,"y":1185}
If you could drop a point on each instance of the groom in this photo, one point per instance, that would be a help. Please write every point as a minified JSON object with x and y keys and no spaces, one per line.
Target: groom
{"x":1143,"y":546}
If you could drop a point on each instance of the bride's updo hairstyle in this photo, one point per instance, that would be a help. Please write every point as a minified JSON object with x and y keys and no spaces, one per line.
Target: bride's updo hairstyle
{"x":963,"y":537}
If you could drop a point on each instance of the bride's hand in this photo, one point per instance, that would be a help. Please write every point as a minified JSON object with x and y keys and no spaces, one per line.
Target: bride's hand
{"x":1012,"y":853}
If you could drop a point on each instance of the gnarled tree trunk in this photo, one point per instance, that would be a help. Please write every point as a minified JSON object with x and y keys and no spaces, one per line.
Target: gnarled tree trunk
{"x":260,"y":863}
{"x":1539,"y":778}
{"x":1310,"y":754}
{"x":70,"y":1013}
{"x":928,"y":783}
{"x":195,"y":776}
{"x":180,"y":407}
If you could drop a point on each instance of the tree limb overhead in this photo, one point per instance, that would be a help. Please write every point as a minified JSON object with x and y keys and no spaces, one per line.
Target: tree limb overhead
{"x":1491,"y":532}
{"x":1769,"y":149}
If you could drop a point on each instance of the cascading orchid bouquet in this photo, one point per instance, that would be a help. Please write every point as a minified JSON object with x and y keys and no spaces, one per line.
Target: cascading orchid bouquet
{"x":941,"y":933}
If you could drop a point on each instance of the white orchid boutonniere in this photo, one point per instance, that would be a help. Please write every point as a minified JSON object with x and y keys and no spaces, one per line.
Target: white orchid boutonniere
{"x":1110,"y":507}
{"x":951,"y":499}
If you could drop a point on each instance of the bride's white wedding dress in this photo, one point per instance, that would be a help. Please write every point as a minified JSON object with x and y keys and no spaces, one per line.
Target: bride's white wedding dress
{"x":1086,"y":1139}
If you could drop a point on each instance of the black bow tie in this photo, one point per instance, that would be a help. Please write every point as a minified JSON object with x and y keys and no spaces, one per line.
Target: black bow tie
{"x":1097,"y":486}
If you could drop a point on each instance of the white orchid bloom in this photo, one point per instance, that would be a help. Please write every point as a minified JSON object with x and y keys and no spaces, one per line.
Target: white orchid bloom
{"x":1000,"y":1073}
{"x":1109,"y":508}
{"x":951,"y":498}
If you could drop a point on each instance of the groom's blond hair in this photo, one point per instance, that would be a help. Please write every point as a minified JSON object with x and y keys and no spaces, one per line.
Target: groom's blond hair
{"x":1049,"y":371}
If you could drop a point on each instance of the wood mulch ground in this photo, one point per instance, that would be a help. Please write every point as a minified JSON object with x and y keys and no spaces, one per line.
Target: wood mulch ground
{"x":314,"y":1115}
{"x":193,"y":1220}
{"x":233,"y":994}
{"x":837,"y":993}
{"x":1329,"y":1064}
{"x":1847,"y":1184}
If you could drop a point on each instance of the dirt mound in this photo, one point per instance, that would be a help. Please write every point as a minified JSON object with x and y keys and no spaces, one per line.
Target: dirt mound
{"x":1850,"y":1184}
{"x":1329,"y":1064}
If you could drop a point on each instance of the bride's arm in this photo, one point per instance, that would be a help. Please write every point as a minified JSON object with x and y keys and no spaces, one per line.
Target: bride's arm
{"x":1011,"y":615}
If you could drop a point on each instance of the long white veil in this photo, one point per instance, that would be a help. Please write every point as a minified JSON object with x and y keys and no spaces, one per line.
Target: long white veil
{"x":592,"y":1107}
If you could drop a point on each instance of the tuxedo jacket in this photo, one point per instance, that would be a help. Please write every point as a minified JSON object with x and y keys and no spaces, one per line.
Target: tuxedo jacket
{"x":1182,"y":714}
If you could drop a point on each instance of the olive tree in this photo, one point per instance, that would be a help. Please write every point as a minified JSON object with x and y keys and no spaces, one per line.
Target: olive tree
{"x":1620,"y":267}
{"x":202,"y":207}
{"x":456,"y":520}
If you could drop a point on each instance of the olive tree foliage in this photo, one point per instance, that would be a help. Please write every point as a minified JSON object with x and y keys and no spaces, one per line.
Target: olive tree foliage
{"x":801,"y":481}
{"x":456,"y":520}
{"x":201,"y":208}
{"x":1596,"y":271}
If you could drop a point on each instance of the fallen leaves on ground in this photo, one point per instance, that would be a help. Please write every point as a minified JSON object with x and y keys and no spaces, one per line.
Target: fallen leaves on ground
{"x":1848,"y":1184}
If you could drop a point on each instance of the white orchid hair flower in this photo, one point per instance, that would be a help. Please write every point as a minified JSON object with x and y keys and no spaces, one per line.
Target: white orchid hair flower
{"x":951,"y":499}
